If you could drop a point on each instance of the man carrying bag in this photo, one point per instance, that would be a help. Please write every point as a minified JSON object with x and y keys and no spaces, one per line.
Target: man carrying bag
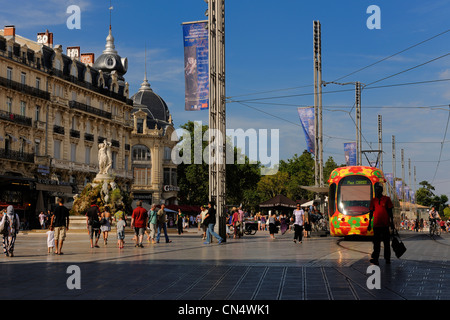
{"x":383,"y":218}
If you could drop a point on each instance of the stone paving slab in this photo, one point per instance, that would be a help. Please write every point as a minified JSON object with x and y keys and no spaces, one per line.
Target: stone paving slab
{"x":253,"y":268}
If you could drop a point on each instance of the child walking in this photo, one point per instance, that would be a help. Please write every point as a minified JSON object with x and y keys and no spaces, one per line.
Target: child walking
{"x":50,"y":240}
{"x":120,"y":232}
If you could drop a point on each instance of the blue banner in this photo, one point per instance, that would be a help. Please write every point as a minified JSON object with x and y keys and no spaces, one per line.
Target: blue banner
{"x":306,"y":115}
{"x":390,"y":178}
{"x":399,"y":188}
{"x":196,"y":66}
{"x":350,"y":153}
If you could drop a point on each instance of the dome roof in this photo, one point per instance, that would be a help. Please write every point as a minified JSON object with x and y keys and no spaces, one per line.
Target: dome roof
{"x":151,"y":103}
{"x":110,"y":60}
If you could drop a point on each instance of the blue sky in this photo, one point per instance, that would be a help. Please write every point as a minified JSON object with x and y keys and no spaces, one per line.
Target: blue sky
{"x":269,"y":57}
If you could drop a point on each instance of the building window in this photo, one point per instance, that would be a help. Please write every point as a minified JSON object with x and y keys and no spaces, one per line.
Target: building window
{"x":58,"y":119}
{"x":9,"y":73}
{"x":38,"y":112}
{"x":166,"y":177}
{"x":38,"y":83}
{"x":114,"y":160}
{"x":73,"y":152}
{"x":23,"y":78}
{"x":126,"y":163}
{"x":87,"y":155}
{"x":37,"y":147}
{"x":140,"y":126}
{"x":56,"y":149}
{"x":142,"y":176}
{"x":23,"y":108}
{"x":141,"y":153}
{"x":9,"y":104}
{"x":173,"y":177}
{"x":167,"y":153}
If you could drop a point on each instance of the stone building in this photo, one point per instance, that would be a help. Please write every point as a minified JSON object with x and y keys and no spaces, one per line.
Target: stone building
{"x":155,"y":175}
{"x":54,"y":110}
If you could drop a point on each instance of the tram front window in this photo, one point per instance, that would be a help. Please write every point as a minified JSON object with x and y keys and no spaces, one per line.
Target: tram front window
{"x":354,"y":195}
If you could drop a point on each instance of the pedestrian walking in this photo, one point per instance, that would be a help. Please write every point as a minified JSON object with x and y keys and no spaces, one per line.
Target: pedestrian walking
{"x":272,"y":225}
{"x":204,"y":225}
{"x":10,"y":224}
{"x":105,"y":223}
{"x":298,"y":219}
{"x":381,"y":212}
{"x":152,"y":223}
{"x":139,"y":220}
{"x":120,"y":228}
{"x":283,"y":224}
{"x":93,"y":223}
{"x":162,"y":224}
{"x":60,"y":224}
{"x":179,"y":221}
{"x":236,"y":224}
{"x":42,"y":219}
{"x":50,"y":240}
{"x":210,"y":219}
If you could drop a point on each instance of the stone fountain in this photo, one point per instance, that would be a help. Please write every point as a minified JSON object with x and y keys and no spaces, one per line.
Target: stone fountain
{"x":104,"y":190}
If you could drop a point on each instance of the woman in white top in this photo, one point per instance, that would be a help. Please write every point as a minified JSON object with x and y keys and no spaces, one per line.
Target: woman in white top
{"x":299,"y":220}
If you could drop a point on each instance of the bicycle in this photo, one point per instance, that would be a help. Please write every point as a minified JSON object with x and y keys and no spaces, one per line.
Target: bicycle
{"x":435,"y":229}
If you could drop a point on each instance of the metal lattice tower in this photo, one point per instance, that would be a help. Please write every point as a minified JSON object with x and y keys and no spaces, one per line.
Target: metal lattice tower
{"x":217,"y":111}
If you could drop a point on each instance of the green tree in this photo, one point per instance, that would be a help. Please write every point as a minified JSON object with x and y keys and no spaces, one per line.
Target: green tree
{"x":193,"y":178}
{"x":329,"y":166}
{"x":425,"y":196}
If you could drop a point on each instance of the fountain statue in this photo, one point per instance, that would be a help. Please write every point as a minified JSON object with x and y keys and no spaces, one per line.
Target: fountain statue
{"x":104,"y":190}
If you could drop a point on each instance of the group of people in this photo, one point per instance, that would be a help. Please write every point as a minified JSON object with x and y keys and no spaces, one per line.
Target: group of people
{"x":419,"y":225}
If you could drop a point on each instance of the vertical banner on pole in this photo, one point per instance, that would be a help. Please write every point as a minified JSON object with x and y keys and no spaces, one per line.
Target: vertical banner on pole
{"x":307,"y":119}
{"x":350,"y":153}
{"x":196,"y":68}
{"x":399,"y":188}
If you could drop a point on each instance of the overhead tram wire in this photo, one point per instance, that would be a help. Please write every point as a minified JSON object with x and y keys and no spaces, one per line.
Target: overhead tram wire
{"x":230,"y":100}
{"x":393,"y":55}
{"x":356,"y":71}
{"x":442,"y":146}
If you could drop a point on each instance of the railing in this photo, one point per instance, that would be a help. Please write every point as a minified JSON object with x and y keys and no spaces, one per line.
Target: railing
{"x":16,"y":118}
{"x":86,"y":108}
{"x":17,"y":155}
{"x":58,"y":129}
{"x":4,"y":82}
{"x":74,"y":133}
{"x":88,"y":137}
{"x":115,"y":143}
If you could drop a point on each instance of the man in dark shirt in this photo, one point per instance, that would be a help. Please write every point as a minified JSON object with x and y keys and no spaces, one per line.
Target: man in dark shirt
{"x":381,"y":212}
{"x":60,"y":224}
{"x":93,"y":223}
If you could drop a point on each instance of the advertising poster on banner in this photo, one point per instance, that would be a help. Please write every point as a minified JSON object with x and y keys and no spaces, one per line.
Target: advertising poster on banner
{"x":398,"y":188}
{"x":390,"y":178}
{"x":350,"y":153}
{"x":196,"y":67}
{"x":306,"y":115}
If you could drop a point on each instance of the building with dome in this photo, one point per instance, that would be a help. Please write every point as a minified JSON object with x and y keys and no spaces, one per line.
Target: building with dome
{"x":55,"y":110}
{"x":155,"y":175}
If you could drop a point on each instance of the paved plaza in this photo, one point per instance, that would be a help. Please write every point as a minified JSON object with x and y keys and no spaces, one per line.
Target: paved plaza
{"x":253,"y":268}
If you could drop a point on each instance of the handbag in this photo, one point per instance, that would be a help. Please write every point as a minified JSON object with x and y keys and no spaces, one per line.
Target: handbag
{"x":397,"y":245}
{"x":4,"y":229}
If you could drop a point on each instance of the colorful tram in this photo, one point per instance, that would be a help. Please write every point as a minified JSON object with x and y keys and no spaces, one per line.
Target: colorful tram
{"x":350,"y":192}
